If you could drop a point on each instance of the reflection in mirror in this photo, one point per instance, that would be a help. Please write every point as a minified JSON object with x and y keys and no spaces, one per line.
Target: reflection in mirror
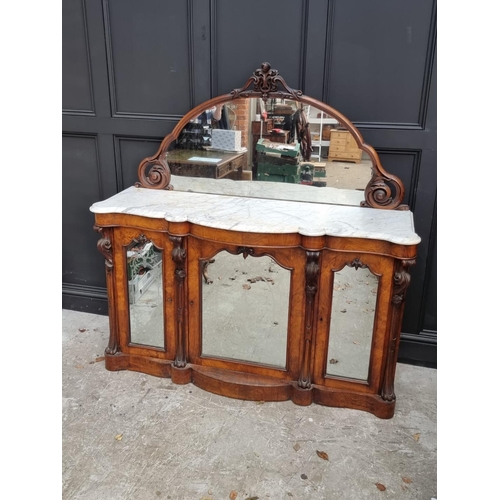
{"x":351,"y":324}
{"x":289,"y":145}
{"x":145,"y":293}
{"x":245,"y":308}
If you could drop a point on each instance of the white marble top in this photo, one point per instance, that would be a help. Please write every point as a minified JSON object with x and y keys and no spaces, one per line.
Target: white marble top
{"x":256,"y":215}
{"x":269,"y":190}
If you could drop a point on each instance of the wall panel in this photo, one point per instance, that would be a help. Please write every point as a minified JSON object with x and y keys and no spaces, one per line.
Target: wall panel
{"x":148,"y":52}
{"x":77,"y":95}
{"x":379,"y":60}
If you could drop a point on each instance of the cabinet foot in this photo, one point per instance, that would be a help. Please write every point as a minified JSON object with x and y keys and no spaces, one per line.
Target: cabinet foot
{"x":181,"y":376}
{"x":302,"y":397}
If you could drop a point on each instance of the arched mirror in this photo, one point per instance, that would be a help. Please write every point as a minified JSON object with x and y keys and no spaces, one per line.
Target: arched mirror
{"x":277,"y":142}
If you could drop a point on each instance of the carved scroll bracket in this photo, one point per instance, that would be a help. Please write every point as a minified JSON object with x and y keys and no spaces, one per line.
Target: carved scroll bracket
{"x":384,"y":192}
{"x":312,"y":273}
{"x":179,"y":258}
{"x":401,"y":281}
{"x":154,"y":173}
{"x":104,"y":247}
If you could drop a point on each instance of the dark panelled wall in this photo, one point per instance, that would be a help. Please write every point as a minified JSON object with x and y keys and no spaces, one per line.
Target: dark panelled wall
{"x":132,"y":69}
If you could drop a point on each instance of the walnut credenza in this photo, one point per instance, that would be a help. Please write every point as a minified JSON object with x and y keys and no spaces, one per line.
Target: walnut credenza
{"x":308,"y":243}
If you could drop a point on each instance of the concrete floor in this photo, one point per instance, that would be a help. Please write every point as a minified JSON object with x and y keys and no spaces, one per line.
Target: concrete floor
{"x":132,"y":436}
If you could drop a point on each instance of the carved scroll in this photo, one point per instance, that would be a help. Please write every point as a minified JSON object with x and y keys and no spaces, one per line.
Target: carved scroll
{"x":265,"y":81}
{"x":401,"y":281}
{"x":105,"y":248}
{"x":179,"y":257}
{"x":384,"y":192}
{"x":154,"y":173}
{"x":204,"y":271}
{"x":312,"y":273}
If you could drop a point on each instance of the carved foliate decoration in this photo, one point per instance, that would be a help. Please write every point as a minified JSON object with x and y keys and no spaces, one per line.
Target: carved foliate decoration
{"x":104,"y":247}
{"x":265,"y":81}
{"x":179,"y":257}
{"x":401,"y":281}
{"x":140,"y":240}
{"x":356,"y":263}
{"x":312,"y":273}
{"x":246,"y":251}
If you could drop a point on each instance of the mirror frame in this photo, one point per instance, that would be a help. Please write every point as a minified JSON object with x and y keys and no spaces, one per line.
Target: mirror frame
{"x":384,"y":190}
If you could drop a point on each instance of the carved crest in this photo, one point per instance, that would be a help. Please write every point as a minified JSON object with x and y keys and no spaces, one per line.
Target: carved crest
{"x":266,"y":81}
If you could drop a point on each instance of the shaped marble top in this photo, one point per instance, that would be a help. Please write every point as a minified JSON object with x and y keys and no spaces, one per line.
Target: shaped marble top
{"x":257,"y":215}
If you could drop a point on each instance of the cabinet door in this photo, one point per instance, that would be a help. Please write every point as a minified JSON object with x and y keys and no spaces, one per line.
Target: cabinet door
{"x":245,"y":308}
{"x":353,"y":320}
{"x":144,"y":290}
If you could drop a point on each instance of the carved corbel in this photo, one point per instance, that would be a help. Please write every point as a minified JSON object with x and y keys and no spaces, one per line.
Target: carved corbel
{"x":401,"y":282}
{"x":104,"y":247}
{"x":312,"y":273}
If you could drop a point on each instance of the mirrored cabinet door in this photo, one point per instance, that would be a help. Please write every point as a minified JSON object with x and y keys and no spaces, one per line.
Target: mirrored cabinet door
{"x":354,"y":300}
{"x":245,"y":309}
{"x":145,"y":292}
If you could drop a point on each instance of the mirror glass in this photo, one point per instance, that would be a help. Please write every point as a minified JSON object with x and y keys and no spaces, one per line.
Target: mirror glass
{"x":352,"y":320}
{"x":291,"y":151}
{"x":145,"y":293}
{"x":245,"y":308}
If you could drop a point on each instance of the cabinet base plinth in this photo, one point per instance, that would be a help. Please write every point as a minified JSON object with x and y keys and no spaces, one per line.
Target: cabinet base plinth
{"x":151,"y":366}
{"x":371,"y":403}
{"x":251,"y":387}
{"x":239,"y":385}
